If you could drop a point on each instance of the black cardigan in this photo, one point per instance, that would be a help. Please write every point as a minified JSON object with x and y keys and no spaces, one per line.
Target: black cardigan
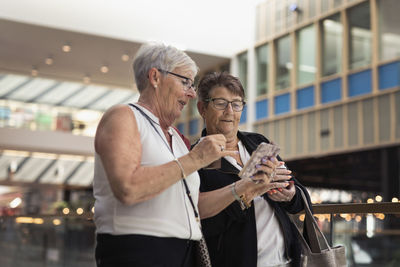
{"x":231,"y":235}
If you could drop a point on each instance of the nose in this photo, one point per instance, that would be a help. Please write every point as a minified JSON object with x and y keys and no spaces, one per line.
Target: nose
{"x":229,"y":108}
{"x":191,"y":93}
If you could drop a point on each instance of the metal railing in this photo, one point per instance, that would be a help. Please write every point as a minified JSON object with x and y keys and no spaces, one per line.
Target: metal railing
{"x":370,"y":232}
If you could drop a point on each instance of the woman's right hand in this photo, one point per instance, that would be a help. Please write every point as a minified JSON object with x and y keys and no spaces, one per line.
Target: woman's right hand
{"x":252,"y":190}
{"x":209,"y":149}
{"x":262,"y":182}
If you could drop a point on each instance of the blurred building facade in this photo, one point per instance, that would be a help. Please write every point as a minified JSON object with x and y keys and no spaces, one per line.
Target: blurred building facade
{"x":322,"y":80}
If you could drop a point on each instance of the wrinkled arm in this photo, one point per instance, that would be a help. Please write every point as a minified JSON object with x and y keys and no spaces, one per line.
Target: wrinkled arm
{"x":118,"y":144}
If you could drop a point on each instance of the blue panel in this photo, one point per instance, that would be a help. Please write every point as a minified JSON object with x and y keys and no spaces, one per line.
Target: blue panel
{"x":331,"y":91}
{"x":262,"y":109}
{"x":360,"y":83}
{"x":193,"y":127}
{"x":181,"y":127}
{"x":389,"y":75}
{"x":282,"y":103}
{"x":305,"y":97}
{"x":243,"y":118}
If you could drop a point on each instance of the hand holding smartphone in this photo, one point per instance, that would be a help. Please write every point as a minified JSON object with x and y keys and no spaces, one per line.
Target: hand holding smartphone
{"x":263,"y":150}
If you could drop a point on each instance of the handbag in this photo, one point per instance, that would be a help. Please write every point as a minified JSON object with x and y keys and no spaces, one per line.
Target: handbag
{"x":202,"y":257}
{"x":313,"y":254}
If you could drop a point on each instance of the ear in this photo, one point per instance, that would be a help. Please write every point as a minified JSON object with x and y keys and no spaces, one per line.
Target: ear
{"x":154,"y":77}
{"x":201,"y":107}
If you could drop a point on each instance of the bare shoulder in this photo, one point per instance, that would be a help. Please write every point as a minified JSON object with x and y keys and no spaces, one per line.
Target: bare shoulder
{"x":117,"y":113}
{"x":118,"y":122}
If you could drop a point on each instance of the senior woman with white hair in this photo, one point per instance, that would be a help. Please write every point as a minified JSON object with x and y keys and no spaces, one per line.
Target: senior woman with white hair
{"x":143,"y":169}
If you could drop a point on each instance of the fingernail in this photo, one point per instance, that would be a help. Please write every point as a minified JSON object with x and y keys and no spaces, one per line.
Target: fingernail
{"x":287,"y":184}
{"x":292,"y":182}
{"x":237,"y":152}
{"x":264,"y":160}
{"x":280,"y":189}
{"x":273,"y":191}
{"x":258,"y":166}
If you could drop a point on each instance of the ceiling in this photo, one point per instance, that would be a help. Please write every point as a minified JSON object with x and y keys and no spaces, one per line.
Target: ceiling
{"x":46,"y":169}
{"x":26,"y":46}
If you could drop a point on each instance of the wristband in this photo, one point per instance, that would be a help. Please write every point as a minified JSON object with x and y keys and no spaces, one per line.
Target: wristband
{"x":243,"y":205}
{"x":180,"y":167}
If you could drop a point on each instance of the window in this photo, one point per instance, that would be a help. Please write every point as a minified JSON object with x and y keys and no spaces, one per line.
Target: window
{"x":331,"y":45}
{"x":389,"y":30}
{"x":306,"y":50}
{"x":324,"y":6}
{"x":337,"y":3}
{"x":360,"y":35}
{"x":283,"y":62}
{"x":311,"y":8}
{"x":262,"y":69}
{"x":242,"y":59}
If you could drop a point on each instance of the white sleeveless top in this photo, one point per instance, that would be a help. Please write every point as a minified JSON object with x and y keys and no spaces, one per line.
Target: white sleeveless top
{"x":168,"y":214}
{"x":270,"y":241}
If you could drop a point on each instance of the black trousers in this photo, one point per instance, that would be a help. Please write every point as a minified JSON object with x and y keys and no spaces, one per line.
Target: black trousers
{"x":143,"y":251}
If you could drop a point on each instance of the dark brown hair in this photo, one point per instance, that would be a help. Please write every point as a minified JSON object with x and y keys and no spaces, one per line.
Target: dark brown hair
{"x":219,"y":79}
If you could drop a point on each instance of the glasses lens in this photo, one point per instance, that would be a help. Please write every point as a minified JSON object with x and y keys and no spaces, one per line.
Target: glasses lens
{"x":220,"y":103}
{"x":237,"y":105}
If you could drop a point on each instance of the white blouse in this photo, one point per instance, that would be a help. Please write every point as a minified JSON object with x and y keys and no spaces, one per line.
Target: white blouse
{"x":270,"y":241}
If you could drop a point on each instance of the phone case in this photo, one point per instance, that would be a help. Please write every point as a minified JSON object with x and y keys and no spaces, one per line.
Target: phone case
{"x":263,"y":150}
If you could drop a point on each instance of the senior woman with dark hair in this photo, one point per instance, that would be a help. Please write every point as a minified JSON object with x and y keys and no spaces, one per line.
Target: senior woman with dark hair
{"x":263,"y":234}
{"x":143,"y":169}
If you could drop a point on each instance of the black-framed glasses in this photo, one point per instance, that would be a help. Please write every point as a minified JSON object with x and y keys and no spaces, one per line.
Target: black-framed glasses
{"x":186,"y":82}
{"x":222,"y":104}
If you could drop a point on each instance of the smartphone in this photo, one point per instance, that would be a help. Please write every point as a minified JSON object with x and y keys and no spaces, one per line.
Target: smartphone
{"x":263,"y":150}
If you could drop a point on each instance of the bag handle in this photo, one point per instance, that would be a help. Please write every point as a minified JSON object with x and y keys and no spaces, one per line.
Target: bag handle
{"x":312,"y":228}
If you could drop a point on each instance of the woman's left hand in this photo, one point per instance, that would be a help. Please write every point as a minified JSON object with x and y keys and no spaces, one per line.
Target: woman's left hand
{"x":285,"y":194}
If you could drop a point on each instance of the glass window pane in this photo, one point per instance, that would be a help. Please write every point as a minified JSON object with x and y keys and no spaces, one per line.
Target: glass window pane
{"x":337,"y":3}
{"x":300,"y":15}
{"x":312,"y":8}
{"x":389,"y":30}
{"x":262,"y":69}
{"x":242,"y":58}
{"x":331,"y":45}
{"x":324,"y":6}
{"x":360,"y":35}
{"x":306,"y":55}
{"x":284,"y":63}
{"x":278,"y":15}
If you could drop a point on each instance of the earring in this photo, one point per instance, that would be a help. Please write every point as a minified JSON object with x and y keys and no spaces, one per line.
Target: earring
{"x":155,"y":86}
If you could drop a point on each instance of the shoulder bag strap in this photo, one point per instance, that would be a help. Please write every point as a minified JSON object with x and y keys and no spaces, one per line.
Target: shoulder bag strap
{"x":196,"y":214}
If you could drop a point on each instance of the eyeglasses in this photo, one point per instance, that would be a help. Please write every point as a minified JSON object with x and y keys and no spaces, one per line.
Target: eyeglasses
{"x":222,"y":104}
{"x":186,"y":82}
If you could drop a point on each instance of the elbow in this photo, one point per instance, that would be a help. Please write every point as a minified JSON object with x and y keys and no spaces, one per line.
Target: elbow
{"x":126,"y":200}
{"x":125,"y":195}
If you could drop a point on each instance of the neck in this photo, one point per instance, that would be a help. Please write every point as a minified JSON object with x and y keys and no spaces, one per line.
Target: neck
{"x":149,"y":101}
{"x":232,"y":142}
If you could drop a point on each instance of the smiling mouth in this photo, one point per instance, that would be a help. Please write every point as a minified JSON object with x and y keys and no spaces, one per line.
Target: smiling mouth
{"x":227,"y":120}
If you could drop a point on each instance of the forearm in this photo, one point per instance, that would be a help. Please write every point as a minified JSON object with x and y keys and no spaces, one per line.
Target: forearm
{"x":145,"y":182}
{"x":213,"y":202}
